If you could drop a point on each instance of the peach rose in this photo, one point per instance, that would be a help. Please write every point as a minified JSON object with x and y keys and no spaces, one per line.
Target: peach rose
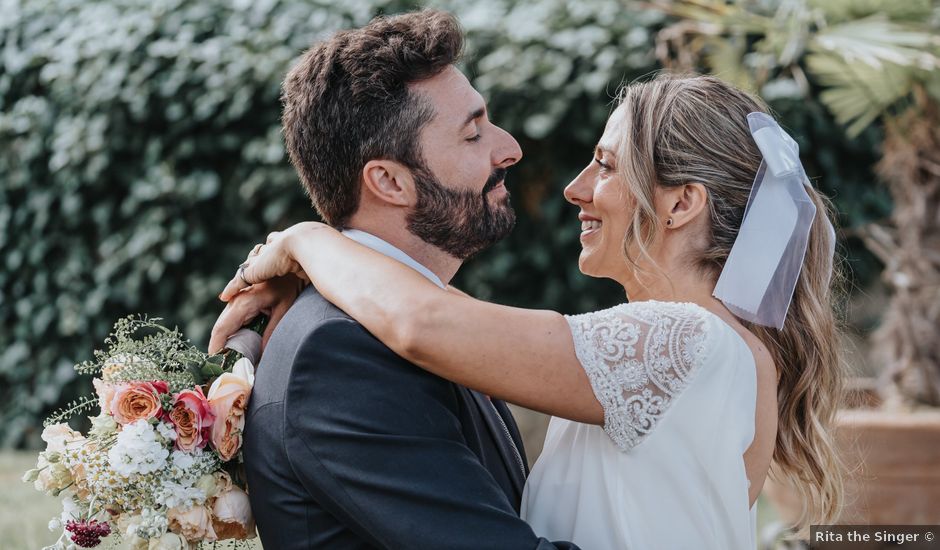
{"x":231,"y":514}
{"x":137,"y":401}
{"x":194,"y":524}
{"x":228,"y":398}
{"x":192,"y":417}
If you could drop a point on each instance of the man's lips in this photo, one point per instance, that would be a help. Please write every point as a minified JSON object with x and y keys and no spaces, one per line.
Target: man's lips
{"x":498,"y":189}
{"x":496,"y":179}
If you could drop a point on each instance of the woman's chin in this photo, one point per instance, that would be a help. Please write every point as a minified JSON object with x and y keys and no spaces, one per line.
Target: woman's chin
{"x":585,"y":265}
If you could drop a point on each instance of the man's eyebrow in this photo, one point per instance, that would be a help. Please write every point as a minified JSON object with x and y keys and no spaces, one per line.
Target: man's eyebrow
{"x":474,"y":115}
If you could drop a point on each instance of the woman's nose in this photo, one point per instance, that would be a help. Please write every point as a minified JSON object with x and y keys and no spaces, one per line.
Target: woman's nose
{"x":580,"y":189}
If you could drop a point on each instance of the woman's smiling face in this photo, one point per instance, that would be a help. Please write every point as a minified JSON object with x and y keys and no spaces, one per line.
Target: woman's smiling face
{"x":606,"y":205}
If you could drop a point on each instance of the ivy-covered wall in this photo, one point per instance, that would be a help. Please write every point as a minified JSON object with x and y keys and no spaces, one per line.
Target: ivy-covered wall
{"x":141,"y":157}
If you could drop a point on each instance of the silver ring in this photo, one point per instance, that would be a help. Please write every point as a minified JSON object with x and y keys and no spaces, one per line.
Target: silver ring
{"x":241,"y":273}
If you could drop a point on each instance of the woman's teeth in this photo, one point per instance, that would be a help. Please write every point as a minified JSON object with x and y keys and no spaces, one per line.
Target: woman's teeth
{"x":590,"y":225}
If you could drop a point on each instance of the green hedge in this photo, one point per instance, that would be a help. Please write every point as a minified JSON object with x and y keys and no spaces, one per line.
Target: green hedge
{"x":140,"y":158}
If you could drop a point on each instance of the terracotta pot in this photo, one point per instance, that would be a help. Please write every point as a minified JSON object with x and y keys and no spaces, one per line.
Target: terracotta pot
{"x":894,"y":458}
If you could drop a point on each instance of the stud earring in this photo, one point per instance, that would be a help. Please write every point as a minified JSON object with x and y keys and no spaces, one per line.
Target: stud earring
{"x":669,"y":222}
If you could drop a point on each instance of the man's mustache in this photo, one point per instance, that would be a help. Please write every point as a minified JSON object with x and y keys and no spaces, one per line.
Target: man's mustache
{"x":495,"y":179}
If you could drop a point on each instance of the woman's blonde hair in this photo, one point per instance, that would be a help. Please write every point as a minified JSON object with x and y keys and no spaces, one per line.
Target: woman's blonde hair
{"x":685,"y":129}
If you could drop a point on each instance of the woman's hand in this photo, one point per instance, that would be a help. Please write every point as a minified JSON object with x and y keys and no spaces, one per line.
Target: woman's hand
{"x":273,"y":259}
{"x":276,"y":280}
{"x":272,"y":298}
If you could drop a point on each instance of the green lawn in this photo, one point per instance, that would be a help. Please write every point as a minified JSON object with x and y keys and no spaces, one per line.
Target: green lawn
{"x":25,"y":513}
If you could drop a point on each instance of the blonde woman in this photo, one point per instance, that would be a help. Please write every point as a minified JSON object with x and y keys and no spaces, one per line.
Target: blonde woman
{"x":669,"y":410}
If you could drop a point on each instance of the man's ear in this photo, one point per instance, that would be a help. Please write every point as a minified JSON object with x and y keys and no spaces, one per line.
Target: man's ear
{"x":389,"y":182}
{"x":684,"y":203}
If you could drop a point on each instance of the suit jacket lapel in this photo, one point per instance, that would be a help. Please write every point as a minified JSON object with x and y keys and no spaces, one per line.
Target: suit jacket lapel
{"x":495,"y":420}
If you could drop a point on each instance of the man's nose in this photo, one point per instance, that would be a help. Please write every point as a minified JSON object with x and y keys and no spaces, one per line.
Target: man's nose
{"x":508,"y":151}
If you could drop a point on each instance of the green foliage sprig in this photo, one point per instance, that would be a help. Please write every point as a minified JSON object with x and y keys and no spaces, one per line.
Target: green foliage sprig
{"x":82,"y":405}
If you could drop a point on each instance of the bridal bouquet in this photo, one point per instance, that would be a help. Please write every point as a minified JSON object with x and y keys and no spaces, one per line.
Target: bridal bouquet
{"x":159,"y":467}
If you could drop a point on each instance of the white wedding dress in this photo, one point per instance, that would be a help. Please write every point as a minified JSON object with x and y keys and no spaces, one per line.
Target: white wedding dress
{"x":666,"y":472}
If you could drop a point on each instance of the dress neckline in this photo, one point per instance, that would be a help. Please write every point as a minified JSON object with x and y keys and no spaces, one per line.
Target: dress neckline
{"x":727,"y":326}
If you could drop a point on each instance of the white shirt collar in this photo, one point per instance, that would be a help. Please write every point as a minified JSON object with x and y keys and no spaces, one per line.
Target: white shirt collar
{"x":390,"y":250}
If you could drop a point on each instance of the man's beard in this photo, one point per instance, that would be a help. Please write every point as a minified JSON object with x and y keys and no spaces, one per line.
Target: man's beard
{"x":461,"y":223}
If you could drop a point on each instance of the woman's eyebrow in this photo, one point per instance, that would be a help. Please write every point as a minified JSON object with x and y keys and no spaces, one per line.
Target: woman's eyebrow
{"x":599,"y":149}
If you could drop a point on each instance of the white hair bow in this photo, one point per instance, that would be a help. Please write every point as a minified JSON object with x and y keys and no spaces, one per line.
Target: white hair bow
{"x":761,"y":272}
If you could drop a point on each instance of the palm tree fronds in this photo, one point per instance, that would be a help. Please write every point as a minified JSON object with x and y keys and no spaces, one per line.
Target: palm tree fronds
{"x":857,"y":93}
{"x":876,"y":40}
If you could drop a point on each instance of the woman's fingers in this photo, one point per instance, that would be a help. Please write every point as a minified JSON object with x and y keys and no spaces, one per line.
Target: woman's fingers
{"x":272,"y":298}
{"x":265,"y":261}
{"x":235,"y":315}
{"x":236,"y":285}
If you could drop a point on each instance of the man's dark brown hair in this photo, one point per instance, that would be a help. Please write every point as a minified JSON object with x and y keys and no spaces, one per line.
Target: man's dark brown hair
{"x":347,"y":102}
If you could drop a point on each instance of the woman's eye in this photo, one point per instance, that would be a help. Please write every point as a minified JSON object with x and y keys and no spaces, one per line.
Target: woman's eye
{"x":474,"y":138}
{"x":604,"y":166}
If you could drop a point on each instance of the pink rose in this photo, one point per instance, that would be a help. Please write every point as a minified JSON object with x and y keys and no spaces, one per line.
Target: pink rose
{"x":137,"y":401}
{"x":192,"y":417}
{"x":228,"y":397}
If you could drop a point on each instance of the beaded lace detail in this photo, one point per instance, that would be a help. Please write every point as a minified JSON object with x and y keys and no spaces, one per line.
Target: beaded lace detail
{"x":639,"y":357}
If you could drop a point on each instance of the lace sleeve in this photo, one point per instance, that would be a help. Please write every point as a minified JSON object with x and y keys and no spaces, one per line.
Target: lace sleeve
{"x":639,"y":357}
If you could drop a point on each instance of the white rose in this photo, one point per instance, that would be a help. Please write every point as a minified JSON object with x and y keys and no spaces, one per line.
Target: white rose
{"x":208,"y":485}
{"x":232,"y":515}
{"x":103,"y":425}
{"x":60,"y":436}
{"x":244,"y":369}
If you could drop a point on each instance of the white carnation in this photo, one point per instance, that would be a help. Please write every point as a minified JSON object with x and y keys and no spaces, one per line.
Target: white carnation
{"x":166,"y":431}
{"x":153,"y":524}
{"x":179,"y":495}
{"x":137,"y":450}
{"x":183,"y":460}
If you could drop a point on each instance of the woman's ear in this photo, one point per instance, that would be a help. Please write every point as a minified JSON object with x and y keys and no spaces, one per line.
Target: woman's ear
{"x":388,"y":182}
{"x":684,"y":203}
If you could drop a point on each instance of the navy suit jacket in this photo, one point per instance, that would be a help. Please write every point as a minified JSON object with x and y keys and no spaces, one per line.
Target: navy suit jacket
{"x":349,"y":446}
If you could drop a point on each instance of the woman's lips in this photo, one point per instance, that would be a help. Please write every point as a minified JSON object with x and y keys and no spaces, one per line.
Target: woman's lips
{"x":589,"y":226}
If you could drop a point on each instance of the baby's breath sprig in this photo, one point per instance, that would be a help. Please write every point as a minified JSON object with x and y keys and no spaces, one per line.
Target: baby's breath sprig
{"x":140,"y":348}
{"x":158,"y":346}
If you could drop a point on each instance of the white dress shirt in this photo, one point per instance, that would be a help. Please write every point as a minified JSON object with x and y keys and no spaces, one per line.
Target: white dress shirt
{"x":392,"y":251}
